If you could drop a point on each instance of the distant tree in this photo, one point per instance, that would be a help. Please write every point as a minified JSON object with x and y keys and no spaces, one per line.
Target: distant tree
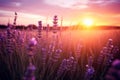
{"x":21,"y":27}
{"x":31,"y":26}
{"x":3,"y":26}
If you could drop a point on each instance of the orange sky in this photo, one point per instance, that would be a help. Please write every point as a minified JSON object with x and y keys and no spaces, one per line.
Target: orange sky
{"x":103,"y":12}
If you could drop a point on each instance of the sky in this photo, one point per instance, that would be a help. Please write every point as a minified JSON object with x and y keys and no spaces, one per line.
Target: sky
{"x":72,"y":12}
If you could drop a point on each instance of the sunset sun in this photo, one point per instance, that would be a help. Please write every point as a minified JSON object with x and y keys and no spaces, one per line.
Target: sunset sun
{"x":88,"y":22}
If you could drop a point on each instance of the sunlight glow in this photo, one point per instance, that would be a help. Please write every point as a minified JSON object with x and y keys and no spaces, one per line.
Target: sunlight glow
{"x":88,"y":22}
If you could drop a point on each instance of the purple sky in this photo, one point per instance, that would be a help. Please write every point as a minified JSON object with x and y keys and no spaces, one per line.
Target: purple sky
{"x":104,"y":12}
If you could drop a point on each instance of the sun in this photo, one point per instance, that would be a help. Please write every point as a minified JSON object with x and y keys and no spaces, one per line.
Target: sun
{"x":88,"y":22}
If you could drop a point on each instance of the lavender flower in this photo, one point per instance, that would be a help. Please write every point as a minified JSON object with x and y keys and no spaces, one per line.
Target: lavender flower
{"x":2,"y":38}
{"x":114,"y":71}
{"x":9,"y":43}
{"x":44,"y":55}
{"x":29,"y":74}
{"x":70,"y":62}
{"x":109,"y":43}
{"x":32,"y":42}
{"x":109,"y":54}
{"x":106,"y":52}
{"x":15,"y":18}
{"x":55,"y":19}
{"x":62,"y":68}
{"x":90,"y":70}
{"x":50,"y":48}
{"x":101,"y":57}
{"x":90,"y":61}
{"x":109,"y":59}
{"x":74,"y":67}
{"x":89,"y":73}
{"x":40,"y":29}
{"x":115,"y":50}
{"x":109,"y":46}
{"x":57,"y":55}
{"x":67,"y":65}
{"x":18,"y":38}
{"x":31,"y":45}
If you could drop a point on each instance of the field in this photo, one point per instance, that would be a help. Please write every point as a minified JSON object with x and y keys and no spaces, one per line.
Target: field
{"x":65,"y":55}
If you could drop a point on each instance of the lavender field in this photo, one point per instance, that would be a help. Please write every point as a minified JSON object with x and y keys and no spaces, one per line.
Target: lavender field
{"x":61,"y":55}
{"x":59,"y":39}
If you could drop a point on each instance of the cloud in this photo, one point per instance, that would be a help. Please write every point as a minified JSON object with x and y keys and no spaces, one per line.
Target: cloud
{"x":111,"y":7}
{"x":81,"y":4}
{"x":10,"y":4}
{"x":42,"y":6}
{"x":4,"y":13}
{"x":22,"y":18}
{"x":17,"y":4}
{"x":68,"y":3}
{"x":20,"y":14}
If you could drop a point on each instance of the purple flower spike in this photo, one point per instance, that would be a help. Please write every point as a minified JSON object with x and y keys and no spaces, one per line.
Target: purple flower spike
{"x":114,"y":71}
{"x":31,"y":45}
{"x":116,"y":64}
{"x":32,"y":42}
{"x":29,"y":75}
